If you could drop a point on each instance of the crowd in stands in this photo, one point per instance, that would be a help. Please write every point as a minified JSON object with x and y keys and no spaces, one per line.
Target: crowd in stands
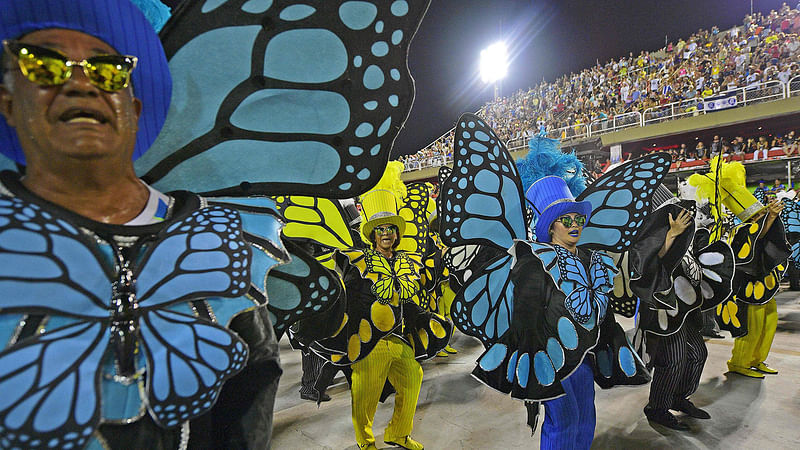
{"x":439,"y":153}
{"x":765,"y":47}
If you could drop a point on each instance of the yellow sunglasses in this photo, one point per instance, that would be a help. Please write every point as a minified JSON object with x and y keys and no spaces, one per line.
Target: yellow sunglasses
{"x":48,"y":67}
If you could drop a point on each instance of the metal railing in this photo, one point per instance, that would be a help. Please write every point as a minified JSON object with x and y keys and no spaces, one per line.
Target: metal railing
{"x":748,"y":95}
{"x":793,"y":88}
{"x":616,"y":123}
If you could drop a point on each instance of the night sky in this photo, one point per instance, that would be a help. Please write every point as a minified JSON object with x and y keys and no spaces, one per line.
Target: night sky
{"x":546,"y":38}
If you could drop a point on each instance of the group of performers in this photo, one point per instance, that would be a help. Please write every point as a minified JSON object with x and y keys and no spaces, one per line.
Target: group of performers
{"x":139,"y":314}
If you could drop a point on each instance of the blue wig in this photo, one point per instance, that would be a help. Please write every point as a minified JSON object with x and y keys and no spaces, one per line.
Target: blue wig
{"x":545,"y":158}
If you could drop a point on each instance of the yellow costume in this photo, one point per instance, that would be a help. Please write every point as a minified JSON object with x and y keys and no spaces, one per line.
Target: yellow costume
{"x":750,"y":314}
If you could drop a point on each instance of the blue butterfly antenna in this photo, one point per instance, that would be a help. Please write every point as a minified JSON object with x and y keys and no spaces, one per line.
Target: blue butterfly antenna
{"x":545,"y":158}
{"x":156,"y":12}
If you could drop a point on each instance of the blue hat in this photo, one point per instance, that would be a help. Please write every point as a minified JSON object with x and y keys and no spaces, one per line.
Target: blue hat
{"x":118,"y":23}
{"x":550,"y":198}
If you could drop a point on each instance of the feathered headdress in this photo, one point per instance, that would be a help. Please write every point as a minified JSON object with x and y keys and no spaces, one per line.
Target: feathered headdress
{"x":545,"y":158}
{"x":725,"y":184}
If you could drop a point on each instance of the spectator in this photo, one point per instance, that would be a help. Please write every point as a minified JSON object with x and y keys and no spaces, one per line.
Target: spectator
{"x":777,"y":186}
{"x":789,"y":144}
{"x":738,"y":148}
{"x":762,"y":148}
{"x":761,"y":190}
{"x":701,"y":150}
{"x":716,"y":144}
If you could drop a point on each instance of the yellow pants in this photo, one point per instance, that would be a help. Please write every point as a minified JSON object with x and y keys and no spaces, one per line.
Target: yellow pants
{"x":753,"y":348}
{"x":446,"y":300}
{"x":392,"y":359}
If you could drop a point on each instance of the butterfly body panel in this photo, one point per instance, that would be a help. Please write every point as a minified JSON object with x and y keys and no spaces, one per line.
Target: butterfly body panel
{"x":545,"y":342}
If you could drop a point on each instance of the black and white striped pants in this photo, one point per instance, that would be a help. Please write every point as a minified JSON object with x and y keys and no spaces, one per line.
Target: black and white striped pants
{"x":678,"y":363}
{"x":312,"y":365}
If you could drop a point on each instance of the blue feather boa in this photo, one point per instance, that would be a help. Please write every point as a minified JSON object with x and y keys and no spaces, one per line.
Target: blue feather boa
{"x":545,"y":158}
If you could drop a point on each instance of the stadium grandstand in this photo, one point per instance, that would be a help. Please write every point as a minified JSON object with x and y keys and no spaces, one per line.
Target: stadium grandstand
{"x":734,"y":92}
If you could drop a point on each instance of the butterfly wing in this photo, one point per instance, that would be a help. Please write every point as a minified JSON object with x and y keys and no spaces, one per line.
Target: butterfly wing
{"x":292,"y":98}
{"x":791,"y":219}
{"x":623,"y":301}
{"x":482,"y":199}
{"x":620,"y":200}
{"x":188,"y":360}
{"x":300,"y":289}
{"x":320,"y":220}
{"x":717,"y":269}
{"x":263,"y":226}
{"x":39,"y":255}
{"x":201,"y":255}
{"x":50,"y":387}
{"x":483,"y":308}
{"x":414,"y":211}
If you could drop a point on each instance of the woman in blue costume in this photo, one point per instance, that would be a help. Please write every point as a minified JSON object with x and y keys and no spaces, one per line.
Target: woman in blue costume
{"x":570,"y":417}
{"x":542,"y":306}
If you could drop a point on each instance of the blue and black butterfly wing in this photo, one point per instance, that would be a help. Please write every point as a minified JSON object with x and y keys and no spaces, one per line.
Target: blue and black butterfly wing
{"x":790,"y":215}
{"x":616,"y":361}
{"x":50,"y":386}
{"x":201,"y":255}
{"x":50,"y":382}
{"x":482,"y":199}
{"x":483,"y":308}
{"x":620,"y":200}
{"x":302,"y":289}
{"x":40,"y":254}
{"x":283,"y":97}
{"x":188,"y":360}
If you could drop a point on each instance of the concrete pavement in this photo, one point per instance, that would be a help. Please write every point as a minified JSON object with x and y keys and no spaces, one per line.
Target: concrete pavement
{"x":457,"y":412}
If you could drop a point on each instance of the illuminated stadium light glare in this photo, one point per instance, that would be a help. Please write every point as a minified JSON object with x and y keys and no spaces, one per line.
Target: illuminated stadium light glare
{"x":494,"y":62}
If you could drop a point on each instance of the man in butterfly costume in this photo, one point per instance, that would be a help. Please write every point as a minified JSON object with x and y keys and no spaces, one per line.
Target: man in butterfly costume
{"x":689,"y":279}
{"x":124,"y":309}
{"x":541,"y":307}
{"x":760,"y":252}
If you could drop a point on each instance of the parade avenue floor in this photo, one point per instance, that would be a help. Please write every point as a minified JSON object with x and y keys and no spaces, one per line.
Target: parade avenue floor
{"x":457,"y":412}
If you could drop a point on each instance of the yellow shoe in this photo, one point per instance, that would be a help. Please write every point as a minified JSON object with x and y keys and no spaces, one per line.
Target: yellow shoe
{"x":450,"y":350}
{"x":368,"y":446}
{"x":745,"y":371}
{"x":763,"y":368}
{"x":404,"y":442}
{"x":442,"y":354}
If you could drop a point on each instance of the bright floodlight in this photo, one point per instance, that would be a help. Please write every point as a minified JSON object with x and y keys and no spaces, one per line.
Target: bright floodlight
{"x":494,"y":62}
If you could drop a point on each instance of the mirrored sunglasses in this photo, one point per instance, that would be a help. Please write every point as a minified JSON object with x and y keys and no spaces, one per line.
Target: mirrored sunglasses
{"x":48,"y":67}
{"x":568,"y":221}
{"x":391,"y":229}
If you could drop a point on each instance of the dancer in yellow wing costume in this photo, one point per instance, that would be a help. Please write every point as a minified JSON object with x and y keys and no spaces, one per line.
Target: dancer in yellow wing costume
{"x":760,"y":251}
{"x":389,"y":279}
{"x":383,"y":332}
